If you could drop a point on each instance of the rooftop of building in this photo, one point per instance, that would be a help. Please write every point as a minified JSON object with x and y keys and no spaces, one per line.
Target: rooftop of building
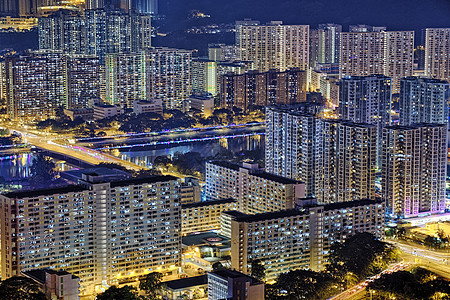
{"x":425,"y":79}
{"x":40,"y":274}
{"x":204,"y":96}
{"x":257,"y":173}
{"x":242,"y":217}
{"x":226,"y":273}
{"x":107,"y":173}
{"x":79,"y":110}
{"x":415,"y":126}
{"x":45,"y":192}
{"x":104,"y":106}
{"x":206,"y":238}
{"x":225,"y":164}
{"x":203,"y":59}
{"x":185,"y":283}
{"x":349,"y":204}
{"x":236,"y":63}
{"x":208,"y":203}
{"x":148,"y":102}
{"x":275,"y":178}
{"x":151,"y":179}
{"x":377,"y":76}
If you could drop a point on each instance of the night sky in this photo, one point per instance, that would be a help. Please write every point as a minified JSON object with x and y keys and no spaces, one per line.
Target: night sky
{"x":396,"y":14}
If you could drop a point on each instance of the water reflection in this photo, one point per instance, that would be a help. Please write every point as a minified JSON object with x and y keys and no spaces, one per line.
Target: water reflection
{"x":206,"y":149}
{"x":17,"y":166}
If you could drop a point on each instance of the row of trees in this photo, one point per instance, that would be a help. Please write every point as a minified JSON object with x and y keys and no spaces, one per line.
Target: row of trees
{"x":359,"y":257}
{"x":6,"y":138}
{"x":149,"y":285}
{"x":171,"y":119}
{"x":416,"y":284}
{"x":24,"y":288}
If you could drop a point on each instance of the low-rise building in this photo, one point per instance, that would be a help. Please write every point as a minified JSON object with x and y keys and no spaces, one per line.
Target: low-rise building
{"x":229,"y":284}
{"x":203,"y":103}
{"x":143,"y":106}
{"x":206,"y":248}
{"x":102,"y":111}
{"x":56,"y":284}
{"x":186,"y":288}
{"x":83,"y":113}
{"x":204,"y":216}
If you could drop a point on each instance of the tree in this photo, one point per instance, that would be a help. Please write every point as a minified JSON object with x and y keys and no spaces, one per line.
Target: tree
{"x":124,"y":293}
{"x":42,"y":170}
{"x":302,"y":284}
{"x":362,"y":254}
{"x":217,"y":266}
{"x":417,"y":284}
{"x":150,"y":284}
{"x":258,"y":270}
{"x":20,"y":288}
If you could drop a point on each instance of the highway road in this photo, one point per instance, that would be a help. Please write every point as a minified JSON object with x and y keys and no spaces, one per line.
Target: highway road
{"x":89,"y":156}
{"x":358,"y":291}
{"x":413,"y":256}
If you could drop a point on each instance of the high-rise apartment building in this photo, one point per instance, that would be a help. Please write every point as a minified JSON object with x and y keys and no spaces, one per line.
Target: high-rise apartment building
{"x":328,"y":46}
{"x":98,"y":32}
{"x":159,"y":73}
{"x":299,"y":238}
{"x":39,"y":82}
{"x":424,"y":100}
{"x":361,"y":53}
{"x":94,"y":4}
{"x":62,"y":31}
{"x":35,"y":85}
{"x":290,"y":145}
{"x":260,"y":89}
{"x":398,"y":56}
{"x":222,"y":52}
{"x":83,"y":79}
{"x":255,"y":190}
{"x":2,"y":80}
{"x":204,"y":76}
{"x":367,"y":99}
{"x":365,"y":28}
{"x":365,"y":53}
{"x":9,"y":8}
{"x":414,"y":169}
{"x":170,"y":75}
{"x":437,"y":53}
{"x":145,"y":6}
{"x":273,"y":46}
{"x":126,"y":78}
{"x":345,"y":161}
{"x":335,"y":159}
{"x":102,"y":232}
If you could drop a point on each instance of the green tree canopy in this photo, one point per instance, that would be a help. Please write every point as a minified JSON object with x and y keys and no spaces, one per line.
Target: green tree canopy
{"x":302,"y":284}
{"x":42,"y":171}
{"x":418,"y":284}
{"x":124,"y":293}
{"x":150,"y":284}
{"x":361,"y":254}
{"x":20,"y":288}
{"x":258,"y":270}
